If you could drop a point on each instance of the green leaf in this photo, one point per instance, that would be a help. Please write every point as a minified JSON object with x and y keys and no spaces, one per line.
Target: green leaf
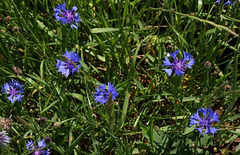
{"x":238,"y":148}
{"x":138,"y":84}
{"x":188,"y":130}
{"x":103,"y":30}
{"x":205,"y":140}
{"x":125,"y":107}
{"x":77,"y":96}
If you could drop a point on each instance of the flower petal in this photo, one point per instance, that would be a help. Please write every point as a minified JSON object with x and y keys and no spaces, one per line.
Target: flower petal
{"x":168,"y":71}
{"x":174,"y":54}
{"x":166,"y":62}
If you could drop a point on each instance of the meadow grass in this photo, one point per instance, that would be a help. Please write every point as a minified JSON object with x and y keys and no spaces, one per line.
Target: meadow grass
{"x":123,"y":42}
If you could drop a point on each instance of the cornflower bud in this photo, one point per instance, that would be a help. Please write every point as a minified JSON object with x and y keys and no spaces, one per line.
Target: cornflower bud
{"x":228,"y":87}
{"x":47,"y":139}
{"x":207,"y":64}
{"x":15,"y":28}
{"x":56,"y":124}
{"x":170,"y":47}
{"x":8,"y":17}
{"x":156,"y":127}
{"x":43,"y":120}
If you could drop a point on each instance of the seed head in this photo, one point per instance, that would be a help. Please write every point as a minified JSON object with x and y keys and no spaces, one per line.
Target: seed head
{"x":17,"y":70}
{"x":5,"y":123}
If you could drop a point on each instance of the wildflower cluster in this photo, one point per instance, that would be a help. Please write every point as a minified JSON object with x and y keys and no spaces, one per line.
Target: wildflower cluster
{"x":175,"y":64}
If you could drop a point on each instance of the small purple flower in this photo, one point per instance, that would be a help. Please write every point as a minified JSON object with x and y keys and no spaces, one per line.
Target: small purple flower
{"x":30,"y":146}
{"x":66,"y":66}
{"x":67,"y":16}
{"x":227,"y":3}
{"x":4,"y":139}
{"x":205,"y":122}
{"x":101,"y":95}
{"x":178,"y":65}
{"x":14,"y":90}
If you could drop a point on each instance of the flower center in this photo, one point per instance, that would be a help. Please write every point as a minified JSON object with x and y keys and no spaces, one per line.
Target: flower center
{"x":179,"y":65}
{"x":13,"y":91}
{"x":69,"y":65}
{"x":106,"y":95}
{"x":204,"y":122}
{"x":69,"y":15}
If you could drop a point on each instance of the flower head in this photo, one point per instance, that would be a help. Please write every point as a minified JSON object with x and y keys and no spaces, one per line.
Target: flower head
{"x":66,"y":66}
{"x":178,"y":65}
{"x":101,"y":95}
{"x":5,"y":123}
{"x":205,"y":122}
{"x":4,"y":139}
{"x":227,"y":3}
{"x":14,"y":90}
{"x":30,"y":146}
{"x":67,"y":16}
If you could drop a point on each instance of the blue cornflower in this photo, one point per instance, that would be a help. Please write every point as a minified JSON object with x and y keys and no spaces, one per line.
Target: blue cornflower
{"x":30,"y":146}
{"x":14,"y":90}
{"x":205,"y":122}
{"x":4,"y":139}
{"x":101,"y":95}
{"x":227,"y":3}
{"x":178,"y":65}
{"x":67,"y":16}
{"x":67,"y":67}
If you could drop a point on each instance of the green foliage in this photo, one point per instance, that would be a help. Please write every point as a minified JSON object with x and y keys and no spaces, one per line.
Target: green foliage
{"x":123,"y":42}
